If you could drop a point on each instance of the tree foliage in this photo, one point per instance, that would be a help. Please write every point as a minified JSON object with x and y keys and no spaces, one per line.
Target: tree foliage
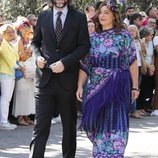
{"x":14,"y":8}
{"x":82,"y":3}
{"x":142,"y":4}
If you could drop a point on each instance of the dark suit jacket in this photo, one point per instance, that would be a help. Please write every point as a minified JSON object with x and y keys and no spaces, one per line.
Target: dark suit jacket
{"x":73,"y":46}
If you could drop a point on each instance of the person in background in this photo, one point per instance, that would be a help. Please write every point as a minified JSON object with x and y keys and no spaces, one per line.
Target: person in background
{"x":24,"y":102}
{"x":143,"y":14}
{"x":1,"y":18}
{"x":152,"y":12}
{"x":98,"y":4}
{"x":1,"y":39}
{"x":140,"y":46}
{"x":91,"y":26}
{"x":8,"y":59}
{"x":152,"y":24}
{"x":129,"y":11}
{"x":147,"y":83}
{"x":110,"y":68}
{"x":89,"y":11}
{"x":136,"y":19}
{"x":32,"y":20}
{"x":47,"y":5}
{"x":155,"y":101}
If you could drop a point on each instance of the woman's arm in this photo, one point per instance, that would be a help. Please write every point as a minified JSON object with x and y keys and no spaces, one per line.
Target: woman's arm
{"x":134,"y":77}
{"x":81,"y":81}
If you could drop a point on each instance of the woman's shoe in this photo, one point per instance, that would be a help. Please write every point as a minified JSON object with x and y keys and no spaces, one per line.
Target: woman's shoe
{"x":137,"y":116}
{"x":28,"y":120}
{"x":21,"y":121}
{"x":144,"y":113}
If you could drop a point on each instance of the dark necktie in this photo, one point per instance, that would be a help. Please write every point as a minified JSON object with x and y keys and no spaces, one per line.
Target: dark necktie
{"x":58,"y":29}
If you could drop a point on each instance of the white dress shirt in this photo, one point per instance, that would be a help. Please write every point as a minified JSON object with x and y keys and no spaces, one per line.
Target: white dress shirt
{"x":63,"y":15}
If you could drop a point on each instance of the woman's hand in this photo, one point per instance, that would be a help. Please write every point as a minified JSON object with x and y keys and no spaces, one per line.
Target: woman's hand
{"x":79,"y":94}
{"x":135,"y":94}
{"x":151,"y":70}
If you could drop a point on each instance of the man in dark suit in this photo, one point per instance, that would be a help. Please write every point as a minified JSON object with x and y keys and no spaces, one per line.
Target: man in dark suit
{"x":60,"y":41}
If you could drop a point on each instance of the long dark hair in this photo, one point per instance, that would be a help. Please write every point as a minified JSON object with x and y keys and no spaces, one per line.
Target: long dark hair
{"x":117,"y":23}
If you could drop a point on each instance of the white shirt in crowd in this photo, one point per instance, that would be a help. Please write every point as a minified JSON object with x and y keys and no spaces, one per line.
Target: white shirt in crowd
{"x":126,"y":21}
{"x":155,"y":40}
{"x":138,"y":49}
{"x":150,"y":52}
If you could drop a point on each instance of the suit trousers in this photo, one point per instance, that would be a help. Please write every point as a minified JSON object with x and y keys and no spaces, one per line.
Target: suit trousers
{"x":49,"y":99}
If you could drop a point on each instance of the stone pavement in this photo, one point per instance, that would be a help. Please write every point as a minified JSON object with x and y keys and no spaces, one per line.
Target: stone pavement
{"x":143,"y":141}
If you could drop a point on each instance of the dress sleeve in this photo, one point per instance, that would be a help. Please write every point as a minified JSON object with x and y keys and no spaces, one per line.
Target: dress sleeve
{"x":132,"y":52}
{"x":130,"y":48}
{"x":86,"y":64}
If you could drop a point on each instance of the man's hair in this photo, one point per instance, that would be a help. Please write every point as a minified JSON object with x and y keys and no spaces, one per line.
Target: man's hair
{"x":44,"y":5}
{"x":145,"y":31}
{"x":70,"y":2}
{"x":88,"y":6}
{"x":98,"y":4}
{"x":129,"y":7}
{"x":134,"y":17}
{"x":29,"y":16}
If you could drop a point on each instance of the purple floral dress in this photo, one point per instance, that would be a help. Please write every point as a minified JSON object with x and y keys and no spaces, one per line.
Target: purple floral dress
{"x":107,"y":92}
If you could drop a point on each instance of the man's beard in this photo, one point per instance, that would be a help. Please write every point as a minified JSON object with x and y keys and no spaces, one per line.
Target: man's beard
{"x":60,"y":5}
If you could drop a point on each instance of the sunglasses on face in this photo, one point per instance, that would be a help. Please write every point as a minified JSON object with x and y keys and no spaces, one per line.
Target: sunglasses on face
{"x":152,"y":22}
{"x":10,"y":32}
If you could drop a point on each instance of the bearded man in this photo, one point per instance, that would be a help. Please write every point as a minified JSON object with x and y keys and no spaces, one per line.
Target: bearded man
{"x":60,"y":40}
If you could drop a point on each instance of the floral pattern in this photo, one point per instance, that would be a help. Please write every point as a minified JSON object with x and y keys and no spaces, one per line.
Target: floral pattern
{"x":107,"y":92}
{"x":109,"y":54}
{"x":108,"y":144}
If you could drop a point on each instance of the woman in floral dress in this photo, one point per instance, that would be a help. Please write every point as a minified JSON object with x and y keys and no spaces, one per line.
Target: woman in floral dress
{"x":111,"y":72}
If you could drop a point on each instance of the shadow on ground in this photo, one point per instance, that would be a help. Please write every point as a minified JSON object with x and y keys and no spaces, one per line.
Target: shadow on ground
{"x":15,"y":144}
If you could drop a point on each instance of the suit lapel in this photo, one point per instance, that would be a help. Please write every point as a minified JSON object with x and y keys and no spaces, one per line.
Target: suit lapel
{"x":66,"y":25}
{"x":51,"y":25}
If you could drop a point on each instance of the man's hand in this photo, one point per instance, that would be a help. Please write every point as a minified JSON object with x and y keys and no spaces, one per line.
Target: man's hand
{"x":57,"y":67}
{"x":41,"y":62}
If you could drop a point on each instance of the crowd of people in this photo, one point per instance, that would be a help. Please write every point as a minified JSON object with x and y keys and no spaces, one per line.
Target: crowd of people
{"x":115,"y":62}
{"x":16,"y":55}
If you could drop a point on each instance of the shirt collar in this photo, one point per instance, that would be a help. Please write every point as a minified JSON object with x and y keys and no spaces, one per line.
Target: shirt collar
{"x":64,"y":11}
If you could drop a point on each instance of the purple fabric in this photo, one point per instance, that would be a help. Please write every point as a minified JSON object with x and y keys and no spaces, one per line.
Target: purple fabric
{"x":109,"y":102}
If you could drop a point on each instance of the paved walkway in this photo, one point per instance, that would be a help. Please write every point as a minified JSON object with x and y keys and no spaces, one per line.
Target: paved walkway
{"x":143,"y":141}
